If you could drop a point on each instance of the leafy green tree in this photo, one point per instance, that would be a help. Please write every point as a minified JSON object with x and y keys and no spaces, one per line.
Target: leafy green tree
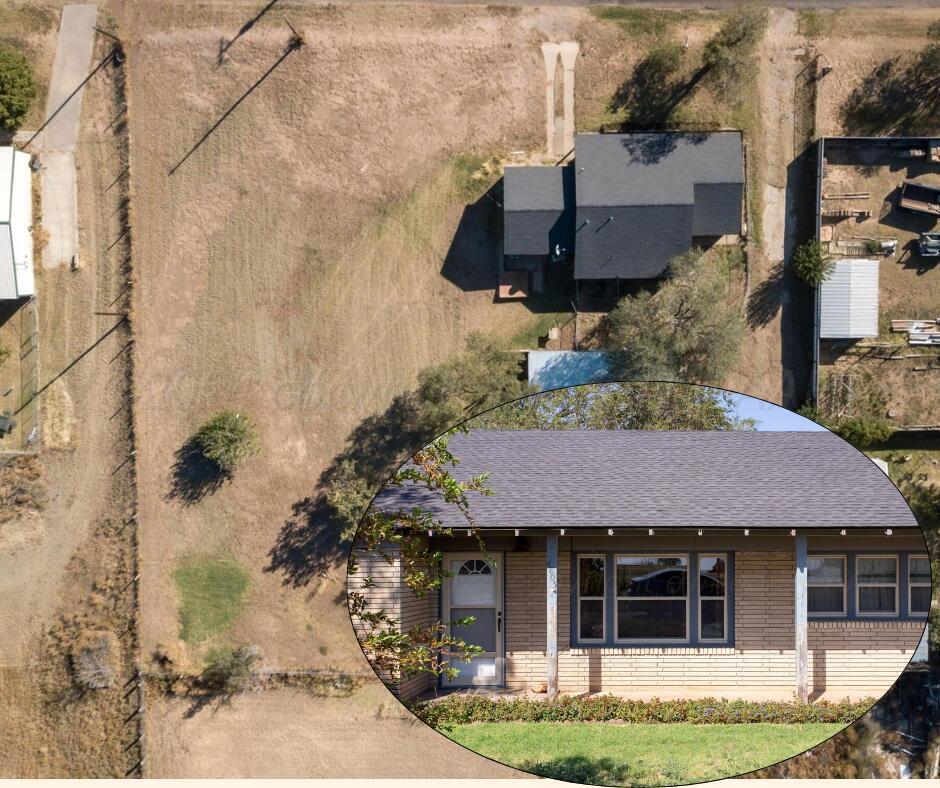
{"x":687,"y":330}
{"x":862,"y":431}
{"x":730,"y":51}
{"x":17,"y":88}
{"x":619,"y":406}
{"x":486,"y":374}
{"x":227,"y":439}
{"x":811,"y":264}
{"x":399,"y":535}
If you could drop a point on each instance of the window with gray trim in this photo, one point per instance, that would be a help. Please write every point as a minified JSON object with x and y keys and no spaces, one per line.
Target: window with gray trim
{"x":652,"y":601}
{"x":918,"y":584}
{"x":826,"y":585}
{"x":712,"y":597}
{"x":876,"y":585}
{"x":592,"y":576}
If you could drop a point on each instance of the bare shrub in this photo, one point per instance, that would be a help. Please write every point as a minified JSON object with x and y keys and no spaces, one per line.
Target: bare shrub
{"x":96,"y":660}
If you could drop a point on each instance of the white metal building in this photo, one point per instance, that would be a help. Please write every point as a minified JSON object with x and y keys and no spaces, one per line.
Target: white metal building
{"x":849,"y":301}
{"x":16,"y":219}
{"x":552,"y":369}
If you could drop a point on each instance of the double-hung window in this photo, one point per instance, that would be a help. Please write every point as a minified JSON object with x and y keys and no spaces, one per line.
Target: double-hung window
{"x":591,"y":592}
{"x":652,"y":597}
{"x":826,"y":585}
{"x":876,"y":585}
{"x":712,"y":597}
{"x":918,"y":585}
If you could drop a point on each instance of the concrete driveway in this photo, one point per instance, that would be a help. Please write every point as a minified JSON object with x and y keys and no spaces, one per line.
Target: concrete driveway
{"x":56,"y":144}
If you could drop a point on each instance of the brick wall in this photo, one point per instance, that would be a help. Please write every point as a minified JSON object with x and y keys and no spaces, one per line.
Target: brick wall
{"x":859,"y":657}
{"x":392,"y":595}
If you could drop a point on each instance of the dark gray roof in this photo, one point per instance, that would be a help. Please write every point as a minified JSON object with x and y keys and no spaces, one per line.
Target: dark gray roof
{"x":655,"y":168}
{"x":536,"y":188}
{"x":608,"y":479}
{"x":630,"y":242}
{"x":661,"y":188}
{"x":717,"y":209}
{"x":538,"y":209}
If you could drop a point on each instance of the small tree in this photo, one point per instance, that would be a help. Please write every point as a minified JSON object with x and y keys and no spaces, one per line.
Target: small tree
{"x":811,"y":264}
{"x":228,"y":670}
{"x":227,"y":439}
{"x":688,"y":330}
{"x":17,"y":88}
{"x":729,"y":51}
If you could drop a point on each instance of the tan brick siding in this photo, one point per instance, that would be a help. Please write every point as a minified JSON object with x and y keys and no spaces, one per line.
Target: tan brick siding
{"x":861,"y":657}
{"x":392,"y":595}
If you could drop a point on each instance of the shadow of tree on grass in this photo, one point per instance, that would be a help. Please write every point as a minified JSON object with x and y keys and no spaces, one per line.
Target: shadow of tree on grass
{"x":579,"y":769}
{"x":195,"y":476}
{"x":898,"y":96}
{"x":765,"y":300}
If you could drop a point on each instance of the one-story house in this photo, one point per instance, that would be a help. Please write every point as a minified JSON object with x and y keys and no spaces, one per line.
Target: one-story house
{"x":635,"y":201}
{"x":690,"y":564}
{"x":848,"y":300}
{"x":16,"y":219}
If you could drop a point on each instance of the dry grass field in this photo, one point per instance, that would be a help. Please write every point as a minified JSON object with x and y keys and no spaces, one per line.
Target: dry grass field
{"x":302,"y":264}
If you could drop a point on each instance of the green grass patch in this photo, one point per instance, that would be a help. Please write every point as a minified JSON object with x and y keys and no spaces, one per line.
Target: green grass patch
{"x":211,"y":593}
{"x":537,"y":328}
{"x":471,"y":176}
{"x":645,"y":754}
{"x":814,"y":23}
{"x":640,"y":22}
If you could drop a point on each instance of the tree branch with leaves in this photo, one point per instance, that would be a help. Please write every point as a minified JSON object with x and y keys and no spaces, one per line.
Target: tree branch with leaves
{"x":397,"y":537}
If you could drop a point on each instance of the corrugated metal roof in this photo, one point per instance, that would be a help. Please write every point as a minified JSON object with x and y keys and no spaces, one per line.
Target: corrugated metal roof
{"x":649,"y":479}
{"x":16,"y":218}
{"x":7,"y":271}
{"x":849,"y":301}
{"x":553,"y":369}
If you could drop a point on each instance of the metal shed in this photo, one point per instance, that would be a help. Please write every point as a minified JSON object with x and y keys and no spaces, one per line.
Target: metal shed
{"x":849,"y":301}
{"x":16,"y":218}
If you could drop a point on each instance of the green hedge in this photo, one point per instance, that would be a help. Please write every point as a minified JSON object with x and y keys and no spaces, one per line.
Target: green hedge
{"x":463,"y":709}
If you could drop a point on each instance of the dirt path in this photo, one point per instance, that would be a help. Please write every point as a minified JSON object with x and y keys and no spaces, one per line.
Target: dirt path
{"x":774,"y":365}
{"x":73,"y":573}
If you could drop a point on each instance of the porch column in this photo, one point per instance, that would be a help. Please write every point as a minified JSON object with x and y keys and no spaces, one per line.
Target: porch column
{"x":551,"y":611}
{"x":801,"y":619}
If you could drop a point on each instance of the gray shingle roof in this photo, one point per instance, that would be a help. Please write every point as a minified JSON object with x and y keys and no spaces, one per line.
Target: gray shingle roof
{"x":608,"y":479}
{"x":538,"y":208}
{"x":661,"y":189}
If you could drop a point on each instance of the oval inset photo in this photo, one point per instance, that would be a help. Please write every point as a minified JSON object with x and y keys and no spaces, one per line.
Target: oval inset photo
{"x":639,"y":584}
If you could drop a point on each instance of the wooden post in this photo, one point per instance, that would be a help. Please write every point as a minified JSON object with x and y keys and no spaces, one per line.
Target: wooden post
{"x":801,"y":619}
{"x":551,"y":610}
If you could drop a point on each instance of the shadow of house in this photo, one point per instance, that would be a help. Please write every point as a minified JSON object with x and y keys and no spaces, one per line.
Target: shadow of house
{"x":472,"y":260}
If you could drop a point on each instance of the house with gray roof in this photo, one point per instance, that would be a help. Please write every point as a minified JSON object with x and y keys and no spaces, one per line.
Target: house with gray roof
{"x":637,"y":201}
{"x":670,"y":564}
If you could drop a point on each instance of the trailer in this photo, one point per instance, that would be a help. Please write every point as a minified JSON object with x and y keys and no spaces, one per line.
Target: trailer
{"x":920,"y":198}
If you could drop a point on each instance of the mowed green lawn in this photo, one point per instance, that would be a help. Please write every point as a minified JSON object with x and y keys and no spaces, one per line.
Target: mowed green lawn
{"x":638,"y":754}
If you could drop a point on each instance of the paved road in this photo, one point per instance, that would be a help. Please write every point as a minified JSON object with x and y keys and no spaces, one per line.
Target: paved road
{"x":57,"y":143}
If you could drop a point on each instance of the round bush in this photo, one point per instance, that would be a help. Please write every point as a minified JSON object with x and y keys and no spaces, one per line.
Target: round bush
{"x":227,"y":439}
{"x":17,"y":88}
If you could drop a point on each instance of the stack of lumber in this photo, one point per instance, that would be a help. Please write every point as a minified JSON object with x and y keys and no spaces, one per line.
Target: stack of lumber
{"x":919,"y":332}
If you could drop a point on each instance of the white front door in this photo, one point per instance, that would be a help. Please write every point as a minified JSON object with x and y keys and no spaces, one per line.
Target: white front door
{"x":475,"y":588}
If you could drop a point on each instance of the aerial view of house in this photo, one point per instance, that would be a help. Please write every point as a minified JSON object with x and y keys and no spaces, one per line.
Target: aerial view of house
{"x":678,"y":564}
{"x":255,"y":253}
{"x":625,"y":205}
